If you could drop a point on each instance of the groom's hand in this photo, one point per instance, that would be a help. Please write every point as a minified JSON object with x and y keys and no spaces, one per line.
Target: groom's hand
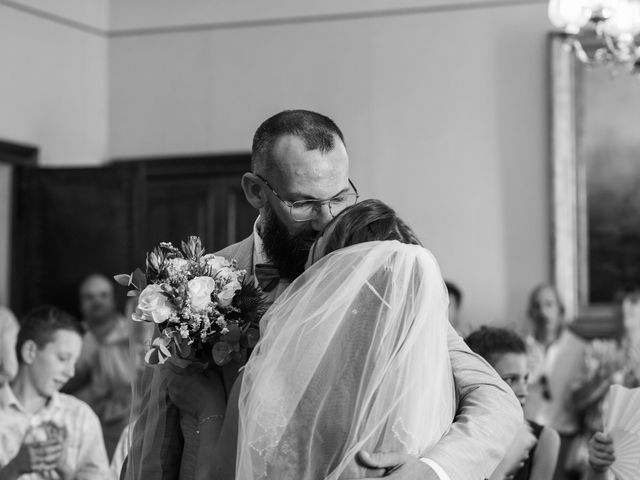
{"x":399,"y":466}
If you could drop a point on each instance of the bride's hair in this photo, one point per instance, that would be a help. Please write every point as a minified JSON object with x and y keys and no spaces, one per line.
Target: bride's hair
{"x":367,"y":221}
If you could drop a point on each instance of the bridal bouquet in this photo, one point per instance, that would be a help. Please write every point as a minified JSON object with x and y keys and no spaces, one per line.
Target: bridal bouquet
{"x":204,"y":308}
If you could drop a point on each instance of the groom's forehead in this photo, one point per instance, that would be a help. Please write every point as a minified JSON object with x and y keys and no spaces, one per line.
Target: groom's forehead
{"x":292,"y":164}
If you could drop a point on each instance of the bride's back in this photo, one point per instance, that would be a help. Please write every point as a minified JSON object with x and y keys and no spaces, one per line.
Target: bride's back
{"x":353,"y":357}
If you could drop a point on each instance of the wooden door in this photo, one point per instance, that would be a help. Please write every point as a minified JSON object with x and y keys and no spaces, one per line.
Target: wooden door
{"x":70,"y":223}
{"x":194,"y":196}
{"x":73,"y":222}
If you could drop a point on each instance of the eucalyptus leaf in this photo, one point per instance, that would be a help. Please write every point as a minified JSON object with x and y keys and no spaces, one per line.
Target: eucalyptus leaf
{"x":184,"y":349}
{"x":123,"y":279}
{"x":139,"y":279}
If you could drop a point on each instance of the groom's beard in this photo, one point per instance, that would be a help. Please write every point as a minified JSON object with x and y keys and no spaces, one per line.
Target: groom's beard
{"x":288,"y":252}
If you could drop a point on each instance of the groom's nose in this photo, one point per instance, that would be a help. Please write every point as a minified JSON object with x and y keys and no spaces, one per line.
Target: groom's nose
{"x":322,"y":218}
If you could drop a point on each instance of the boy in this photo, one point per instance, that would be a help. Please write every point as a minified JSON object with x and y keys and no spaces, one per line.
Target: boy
{"x":44,"y":433}
{"x":506,"y":352}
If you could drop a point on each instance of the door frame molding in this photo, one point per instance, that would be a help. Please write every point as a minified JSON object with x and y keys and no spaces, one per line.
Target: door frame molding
{"x":18,"y":156}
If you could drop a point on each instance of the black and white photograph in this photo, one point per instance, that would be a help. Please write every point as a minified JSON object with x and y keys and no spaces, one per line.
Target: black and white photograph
{"x":320,"y":240}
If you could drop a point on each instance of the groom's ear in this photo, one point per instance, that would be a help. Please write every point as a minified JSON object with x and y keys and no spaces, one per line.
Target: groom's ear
{"x":253,"y":191}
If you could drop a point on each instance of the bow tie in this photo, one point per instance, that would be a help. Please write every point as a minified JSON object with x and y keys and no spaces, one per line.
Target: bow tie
{"x":267,"y":275}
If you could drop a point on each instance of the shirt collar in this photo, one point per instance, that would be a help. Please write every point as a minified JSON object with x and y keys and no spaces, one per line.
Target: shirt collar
{"x":55,"y":401}
{"x":8,"y":399}
{"x":259,"y":255}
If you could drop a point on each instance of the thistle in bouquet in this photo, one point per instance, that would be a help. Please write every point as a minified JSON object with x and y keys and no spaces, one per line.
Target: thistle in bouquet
{"x":204,"y":307}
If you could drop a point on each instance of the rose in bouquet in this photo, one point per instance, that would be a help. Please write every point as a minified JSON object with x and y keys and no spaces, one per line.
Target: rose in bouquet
{"x":203,"y":306}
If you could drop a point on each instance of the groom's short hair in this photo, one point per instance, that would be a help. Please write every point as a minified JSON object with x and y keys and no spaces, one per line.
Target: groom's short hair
{"x":316,"y":130}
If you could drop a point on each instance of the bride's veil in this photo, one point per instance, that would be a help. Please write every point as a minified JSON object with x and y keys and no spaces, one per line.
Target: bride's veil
{"x":353,"y":357}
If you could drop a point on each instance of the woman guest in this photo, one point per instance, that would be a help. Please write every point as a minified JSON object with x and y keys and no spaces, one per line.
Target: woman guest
{"x":556,"y":356}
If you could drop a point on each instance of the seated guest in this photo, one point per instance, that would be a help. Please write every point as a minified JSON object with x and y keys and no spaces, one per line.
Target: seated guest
{"x":507,"y":354}
{"x":104,"y":372}
{"x":455,"y":303}
{"x":45,"y":433}
{"x":8,"y":334}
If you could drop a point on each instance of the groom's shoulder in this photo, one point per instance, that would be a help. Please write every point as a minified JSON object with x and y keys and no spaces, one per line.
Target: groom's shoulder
{"x":241,"y":251}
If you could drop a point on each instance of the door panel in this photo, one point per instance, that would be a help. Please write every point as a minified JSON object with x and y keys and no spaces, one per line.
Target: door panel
{"x":73,"y":222}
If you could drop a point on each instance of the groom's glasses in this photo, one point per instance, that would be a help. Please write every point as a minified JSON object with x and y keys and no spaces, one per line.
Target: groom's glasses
{"x":305,"y":210}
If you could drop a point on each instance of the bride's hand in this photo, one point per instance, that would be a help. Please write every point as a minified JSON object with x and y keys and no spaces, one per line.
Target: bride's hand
{"x":197,"y":394}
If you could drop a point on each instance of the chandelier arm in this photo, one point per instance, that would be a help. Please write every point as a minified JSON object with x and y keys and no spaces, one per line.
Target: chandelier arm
{"x":612,"y":46}
{"x":581,"y":53}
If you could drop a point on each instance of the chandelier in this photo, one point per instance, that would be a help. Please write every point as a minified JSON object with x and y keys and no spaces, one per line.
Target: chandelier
{"x":615,"y":24}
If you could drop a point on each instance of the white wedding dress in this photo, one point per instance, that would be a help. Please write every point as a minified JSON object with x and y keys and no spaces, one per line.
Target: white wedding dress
{"x":353,"y":357}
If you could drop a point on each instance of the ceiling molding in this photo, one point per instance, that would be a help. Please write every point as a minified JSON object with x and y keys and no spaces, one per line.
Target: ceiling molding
{"x":239,"y":19}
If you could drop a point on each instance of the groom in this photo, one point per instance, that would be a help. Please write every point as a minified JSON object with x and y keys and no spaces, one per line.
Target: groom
{"x":299,"y":182}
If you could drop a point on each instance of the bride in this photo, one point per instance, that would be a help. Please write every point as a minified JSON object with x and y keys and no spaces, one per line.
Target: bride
{"x":353,"y":356}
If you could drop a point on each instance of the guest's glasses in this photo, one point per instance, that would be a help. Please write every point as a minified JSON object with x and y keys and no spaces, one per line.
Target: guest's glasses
{"x":305,"y":210}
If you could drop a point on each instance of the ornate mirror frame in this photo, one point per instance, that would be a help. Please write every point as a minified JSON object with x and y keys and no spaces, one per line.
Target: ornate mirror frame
{"x":570,"y":234}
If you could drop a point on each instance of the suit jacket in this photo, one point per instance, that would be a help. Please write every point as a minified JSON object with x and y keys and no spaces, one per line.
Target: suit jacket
{"x":487,"y":419}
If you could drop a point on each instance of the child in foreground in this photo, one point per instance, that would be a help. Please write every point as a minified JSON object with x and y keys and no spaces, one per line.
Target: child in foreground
{"x":45,"y":433}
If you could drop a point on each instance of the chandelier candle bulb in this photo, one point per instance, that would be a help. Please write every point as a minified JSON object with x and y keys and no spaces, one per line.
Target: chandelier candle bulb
{"x":569,"y":15}
{"x":624,"y":22}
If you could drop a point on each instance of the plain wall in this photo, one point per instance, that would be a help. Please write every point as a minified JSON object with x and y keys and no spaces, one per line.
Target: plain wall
{"x":53,"y":89}
{"x":88,"y":14}
{"x":444,"y":113}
